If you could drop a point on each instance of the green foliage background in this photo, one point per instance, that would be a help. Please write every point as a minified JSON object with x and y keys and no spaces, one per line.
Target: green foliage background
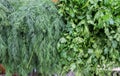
{"x":29,"y":32}
{"x":91,"y":39}
{"x":30,"y":36}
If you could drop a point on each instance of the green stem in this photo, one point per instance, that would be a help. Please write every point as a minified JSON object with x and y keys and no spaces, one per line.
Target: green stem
{"x":30,"y":59}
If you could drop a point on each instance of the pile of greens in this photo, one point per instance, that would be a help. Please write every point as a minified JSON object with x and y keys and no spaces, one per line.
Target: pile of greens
{"x":30,"y":36}
{"x":29,"y":32}
{"x":91,"y":39}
